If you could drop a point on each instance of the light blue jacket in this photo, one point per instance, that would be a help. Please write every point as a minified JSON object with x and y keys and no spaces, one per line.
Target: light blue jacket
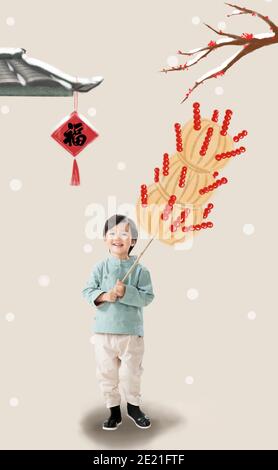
{"x":125,"y":316}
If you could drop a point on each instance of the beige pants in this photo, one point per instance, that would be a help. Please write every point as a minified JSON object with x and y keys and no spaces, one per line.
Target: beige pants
{"x":111,"y":352}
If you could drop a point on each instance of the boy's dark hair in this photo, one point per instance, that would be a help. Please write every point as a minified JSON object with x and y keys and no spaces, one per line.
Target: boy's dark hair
{"x":117,"y":219}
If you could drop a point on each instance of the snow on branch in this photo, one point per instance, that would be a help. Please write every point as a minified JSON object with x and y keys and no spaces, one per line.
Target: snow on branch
{"x":248,"y":43}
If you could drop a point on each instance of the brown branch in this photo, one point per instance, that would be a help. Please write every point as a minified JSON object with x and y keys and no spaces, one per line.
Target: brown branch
{"x":209,"y":49}
{"x":246,"y":11}
{"x":185,"y":66}
{"x":247,"y":50}
{"x":221,"y":33}
{"x":248,"y":42}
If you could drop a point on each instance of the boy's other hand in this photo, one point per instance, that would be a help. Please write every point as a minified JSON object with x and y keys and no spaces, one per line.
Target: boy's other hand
{"x":110,"y":296}
{"x":119,"y":288}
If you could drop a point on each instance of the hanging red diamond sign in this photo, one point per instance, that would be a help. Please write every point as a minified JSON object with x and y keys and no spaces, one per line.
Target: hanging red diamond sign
{"x":74,"y":134}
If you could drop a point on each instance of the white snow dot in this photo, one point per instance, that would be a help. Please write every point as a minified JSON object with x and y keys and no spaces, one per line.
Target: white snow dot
{"x":248,"y":229}
{"x":268,"y":1}
{"x":219,"y":90}
{"x":192,"y":294}
{"x":121,"y":166}
{"x":195,"y":20}
{"x":43,"y":280}
{"x":92,"y":339}
{"x":189,"y":380}
{"x":221,"y":25}
{"x":13,"y":401}
{"x":10,"y":316}
{"x":10,"y":21}
{"x":87,"y":248}
{"x":5,"y":109}
{"x":92,"y":111}
{"x":15,"y":184}
{"x":173,"y":61}
{"x":251,"y":315}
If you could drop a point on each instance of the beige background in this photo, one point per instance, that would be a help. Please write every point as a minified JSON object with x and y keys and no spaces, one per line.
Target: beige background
{"x":47,"y":360}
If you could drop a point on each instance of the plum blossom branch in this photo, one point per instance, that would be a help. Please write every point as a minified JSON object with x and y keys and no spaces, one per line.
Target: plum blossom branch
{"x":248,"y":43}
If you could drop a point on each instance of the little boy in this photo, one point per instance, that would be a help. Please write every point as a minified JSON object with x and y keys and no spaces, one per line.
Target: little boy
{"x":119,"y":332}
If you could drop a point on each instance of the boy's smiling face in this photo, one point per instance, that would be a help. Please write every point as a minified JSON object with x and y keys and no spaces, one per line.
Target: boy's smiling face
{"x":118,"y":240}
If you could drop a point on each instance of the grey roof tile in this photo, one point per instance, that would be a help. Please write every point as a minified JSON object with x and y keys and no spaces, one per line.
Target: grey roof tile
{"x":24,"y":76}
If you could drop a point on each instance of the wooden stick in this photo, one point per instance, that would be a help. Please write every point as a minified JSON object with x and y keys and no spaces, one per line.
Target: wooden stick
{"x":137,"y":260}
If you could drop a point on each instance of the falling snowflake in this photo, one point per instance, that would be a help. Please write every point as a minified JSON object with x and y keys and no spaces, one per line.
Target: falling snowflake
{"x":92,"y":111}
{"x":10,"y":316}
{"x":15,"y":184}
{"x":87,"y":248}
{"x":195,"y":20}
{"x":192,"y":294}
{"x":219,"y":90}
{"x":248,"y":229}
{"x":92,"y":339}
{"x":251,"y":315}
{"x":173,"y":61}
{"x":14,"y":402}
{"x":10,"y":21}
{"x":43,"y":280}
{"x":5,"y":109}
{"x":121,"y":166}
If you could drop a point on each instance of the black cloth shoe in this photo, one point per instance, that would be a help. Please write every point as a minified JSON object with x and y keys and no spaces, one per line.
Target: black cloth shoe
{"x":111,"y":423}
{"x":114,"y":420}
{"x":138,"y":417}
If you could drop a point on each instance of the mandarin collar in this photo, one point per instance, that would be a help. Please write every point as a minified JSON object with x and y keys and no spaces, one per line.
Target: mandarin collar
{"x":121,"y":262}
